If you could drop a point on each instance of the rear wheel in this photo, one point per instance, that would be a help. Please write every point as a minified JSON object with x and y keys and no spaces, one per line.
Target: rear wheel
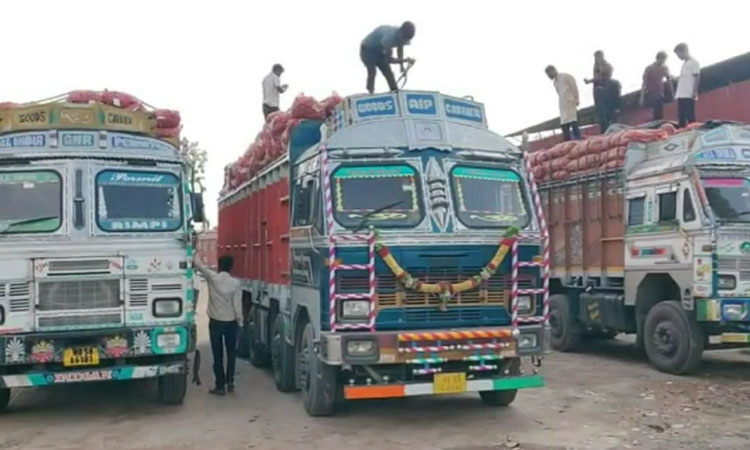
{"x":4,"y":397}
{"x":674,"y":341}
{"x":257,"y":354}
{"x":172,"y":388}
{"x":505,"y":397}
{"x":565,"y":330}
{"x":318,"y":380}
{"x":282,"y":357}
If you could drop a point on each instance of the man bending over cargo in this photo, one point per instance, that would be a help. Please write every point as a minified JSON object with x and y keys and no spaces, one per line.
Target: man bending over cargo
{"x":376,"y":52}
{"x":225,"y":315}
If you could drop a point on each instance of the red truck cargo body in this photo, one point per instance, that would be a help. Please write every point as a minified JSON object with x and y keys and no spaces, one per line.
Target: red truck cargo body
{"x":254,"y":228}
{"x":586,"y":226}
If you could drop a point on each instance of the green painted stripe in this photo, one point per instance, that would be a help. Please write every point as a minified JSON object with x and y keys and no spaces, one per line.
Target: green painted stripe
{"x":38,"y":379}
{"x":126,"y":373}
{"x":502,"y":384}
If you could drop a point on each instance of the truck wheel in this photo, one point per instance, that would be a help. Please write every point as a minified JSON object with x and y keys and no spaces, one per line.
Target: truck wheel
{"x":506,"y":397}
{"x":172,"y":388}
{"x":564,"y":329}
{"x":317,"y":378}
{"x":674,"y":342}
{"x":4,"y":398}
{"x":257,"y":355}
{"x":282,"y":357}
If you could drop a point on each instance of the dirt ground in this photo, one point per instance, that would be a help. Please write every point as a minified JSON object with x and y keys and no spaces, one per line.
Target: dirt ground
{"x":605,"y":397}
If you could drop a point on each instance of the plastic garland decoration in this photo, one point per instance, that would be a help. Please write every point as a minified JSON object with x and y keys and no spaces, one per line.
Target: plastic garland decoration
{"x":444,"y":289}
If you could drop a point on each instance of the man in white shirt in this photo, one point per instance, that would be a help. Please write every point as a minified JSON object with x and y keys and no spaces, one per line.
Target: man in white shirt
{"x":225,"y":316}
{"x":567,"y":92}
{"x":687,"y":85}
{"x":272,"y":87}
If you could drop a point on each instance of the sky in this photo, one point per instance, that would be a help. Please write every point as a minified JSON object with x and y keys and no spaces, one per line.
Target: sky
{"x":207,"y":58}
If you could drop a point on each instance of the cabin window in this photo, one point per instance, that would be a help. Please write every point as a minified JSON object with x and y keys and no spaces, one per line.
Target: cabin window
{"x":636,"y":211}
{"x":668,"y":206}
{"x":381,"y":196}
{"x":729,"y":198}
{"x":30,"y":202}
{"x":688,"y":211}
{"x":488,"y":198}
{"x":303,"y":203}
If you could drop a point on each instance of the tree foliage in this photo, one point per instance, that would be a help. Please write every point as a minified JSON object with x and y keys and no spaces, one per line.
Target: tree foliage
{"x":195,"y":157}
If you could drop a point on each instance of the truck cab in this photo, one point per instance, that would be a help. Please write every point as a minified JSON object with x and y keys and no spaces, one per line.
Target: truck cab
{"x":95,"y":254}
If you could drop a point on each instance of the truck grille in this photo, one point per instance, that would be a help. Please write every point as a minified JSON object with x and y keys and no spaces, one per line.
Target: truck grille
{"x":97,"y":320}
{"x":79,"y":265}
{"x":138,"y":293}
{"x":78,"y":294}
{"x":19,"y":296}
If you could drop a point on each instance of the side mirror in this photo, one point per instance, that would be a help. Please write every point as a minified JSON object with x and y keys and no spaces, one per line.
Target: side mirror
{"x":196,"y":200}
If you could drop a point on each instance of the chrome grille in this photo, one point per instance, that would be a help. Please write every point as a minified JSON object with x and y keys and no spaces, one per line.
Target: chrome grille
{"x":82,"y":265}
{"x":2,"y":290}
{"x":81,"y":320}
{"x":78,"y":294}
{"x":733,"y":263}
{"x":19,"y":290}
{"x":20,"y":297}
{"x":138,"y":292}
{"x":167,"y":287}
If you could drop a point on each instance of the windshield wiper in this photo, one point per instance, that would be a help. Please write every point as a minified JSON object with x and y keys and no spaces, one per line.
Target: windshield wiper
{"x":4,"y":226}
{"x":367,"y":216}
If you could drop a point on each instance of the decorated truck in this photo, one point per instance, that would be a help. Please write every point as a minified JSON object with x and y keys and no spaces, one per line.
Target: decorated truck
{"x":650,"y":234}
{"x":95,"y":245}
{"x":394,"y":248}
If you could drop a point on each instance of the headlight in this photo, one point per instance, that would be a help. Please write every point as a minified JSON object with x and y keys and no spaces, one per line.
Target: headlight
{"x":524,"y":304}
{"x":168,"y":341}
{"x":734,"y":311}
{"x":355,"y":308}
{"x":360,"y":348}
{"x":527,"y":341}
{"x":727,"y":282}
{"x":167,"y":307}
{"x":2,"y":315}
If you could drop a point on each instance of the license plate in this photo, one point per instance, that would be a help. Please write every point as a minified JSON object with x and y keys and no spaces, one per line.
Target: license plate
{"x":81,"y":356}
{"x":450,"y":383}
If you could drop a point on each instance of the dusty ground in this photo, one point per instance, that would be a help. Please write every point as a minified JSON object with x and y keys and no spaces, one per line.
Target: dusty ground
{"x":604,"y":398}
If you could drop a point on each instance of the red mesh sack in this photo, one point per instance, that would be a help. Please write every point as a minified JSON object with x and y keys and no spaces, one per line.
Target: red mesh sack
{"x":168,"y":132}
{"x":307,"y":108}
{"x":561,"y":149}
{"x":614,"y":164}
{"x":596,"y":144}
{"x":120,"y":99}
{"x":559,"y":175}
{"x":167,"y":118}
{"x":84,"y":97}
{"x":331,"y":103}
{"x":612,"y":140}
{"x":668,"y":128}
{"x":693,"y":125}
{"x":559,"y":163}
{"x":7,"y":105}
{"x":572,"y":166}
{"x":641,"y":136}
{"x":278,"y":122}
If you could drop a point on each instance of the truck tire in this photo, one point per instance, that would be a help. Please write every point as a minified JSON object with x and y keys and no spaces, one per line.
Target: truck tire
{"x":318,"y":379}
{"x":282,"y":357}
{"x":565,"y":331}
{"x":171,"y":388}
{"x":4,"y":398}
{"x":256,"y":353}
{"x":506,"y":397}
{"x":674,"y":341}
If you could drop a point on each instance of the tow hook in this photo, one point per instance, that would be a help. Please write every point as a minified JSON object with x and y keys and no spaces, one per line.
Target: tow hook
{"x":536,"y":363}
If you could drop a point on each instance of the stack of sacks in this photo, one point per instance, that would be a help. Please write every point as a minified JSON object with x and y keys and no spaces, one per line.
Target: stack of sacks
{"x":597,"y":153}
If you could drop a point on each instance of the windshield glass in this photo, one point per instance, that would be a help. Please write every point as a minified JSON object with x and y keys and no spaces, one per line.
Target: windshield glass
{"x":729,"y":198}
{"x":488,"y":198}
{"x":138,"y":201}
{"x":382,"y":196}
{"x":30,"y":202}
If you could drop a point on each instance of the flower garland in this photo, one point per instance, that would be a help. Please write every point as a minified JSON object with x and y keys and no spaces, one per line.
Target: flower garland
{"x":445,"y":290}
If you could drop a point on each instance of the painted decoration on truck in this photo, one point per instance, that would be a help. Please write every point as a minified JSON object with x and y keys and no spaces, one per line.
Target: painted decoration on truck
{"x":15,"y":351}
{"x":441,"y":211}
{"x":463,"y":110}
{"x":421,"y":104}
{"x":30,"y":140}
{"x":132,"y":201}
{"x":375,"y":107}
{"x":42,"y":352}
{"x":78,"y":139}
{"x":142,"y":343}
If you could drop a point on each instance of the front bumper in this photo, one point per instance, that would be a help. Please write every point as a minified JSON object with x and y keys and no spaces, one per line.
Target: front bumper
{"x":114,"y":373}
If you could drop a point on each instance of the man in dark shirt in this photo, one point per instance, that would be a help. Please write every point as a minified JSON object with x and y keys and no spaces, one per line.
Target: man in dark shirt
{"x":606,"y":91}
{"x":376,"y":52}
{"x":654,"y":93}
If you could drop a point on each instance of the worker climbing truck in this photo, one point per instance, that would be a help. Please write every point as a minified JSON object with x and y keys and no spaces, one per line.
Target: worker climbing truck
{"x":650,"y":234}
{"x":392,"y":250}
{"x":95,"y":254}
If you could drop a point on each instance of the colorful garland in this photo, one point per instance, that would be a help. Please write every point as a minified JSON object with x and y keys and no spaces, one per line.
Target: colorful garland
{"x":446,"y":290}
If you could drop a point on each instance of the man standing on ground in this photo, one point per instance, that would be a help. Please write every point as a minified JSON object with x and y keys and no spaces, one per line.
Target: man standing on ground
{"x":272,"y":87}
{"x":567,"y":92}
{"x":606,"y":91}
{"x":687,"y":85}
{"x":653,"y":89}
{"x":225,"y":315}
{"x":376,"y":52}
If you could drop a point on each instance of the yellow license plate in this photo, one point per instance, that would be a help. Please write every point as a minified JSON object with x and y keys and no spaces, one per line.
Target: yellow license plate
{"x":81,"y":356}
{"x":450,"y":383}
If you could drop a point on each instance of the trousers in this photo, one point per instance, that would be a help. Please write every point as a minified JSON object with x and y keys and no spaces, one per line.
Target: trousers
{"x":223,"y":335}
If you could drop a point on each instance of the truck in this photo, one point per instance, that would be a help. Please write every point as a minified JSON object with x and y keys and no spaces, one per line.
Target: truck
{"x":96,"y":225}
{"x":652,"y":240}
{"x":394,"y":249}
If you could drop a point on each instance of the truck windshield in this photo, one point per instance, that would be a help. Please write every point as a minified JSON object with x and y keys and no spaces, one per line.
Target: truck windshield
{"x":384,"y":196}
{"x":30,"y":202}
{"x":488,"y":198}
{"x":729,"y":198}
{"x":138,"y":201}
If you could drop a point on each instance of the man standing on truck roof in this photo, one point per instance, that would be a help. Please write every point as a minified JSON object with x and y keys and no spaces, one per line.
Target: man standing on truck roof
{"x":272,"y":87}
{"x":687,"y":85}
{"x":376,"y":52}
{"x":606,"y":91}
{"x":225,"y":316}
{"x":654,"y":93}
{"x":567,"y":91}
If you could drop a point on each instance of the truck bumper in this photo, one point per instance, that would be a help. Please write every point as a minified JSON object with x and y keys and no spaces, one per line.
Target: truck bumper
{"x":114,"y":373}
